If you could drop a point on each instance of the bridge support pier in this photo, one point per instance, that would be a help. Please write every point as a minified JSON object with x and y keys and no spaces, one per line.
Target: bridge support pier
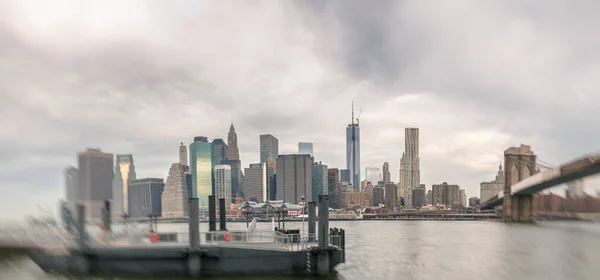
{"x":522,"y":208}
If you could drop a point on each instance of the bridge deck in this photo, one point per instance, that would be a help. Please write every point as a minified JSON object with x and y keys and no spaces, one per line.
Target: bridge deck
{"x":573,"y":170}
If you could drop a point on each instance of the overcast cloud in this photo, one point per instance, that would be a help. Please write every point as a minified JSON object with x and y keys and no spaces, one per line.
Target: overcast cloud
{"x":142,"y":76}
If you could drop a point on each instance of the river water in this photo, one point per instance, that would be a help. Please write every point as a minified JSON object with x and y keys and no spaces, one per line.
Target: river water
{"x":438,"y":250}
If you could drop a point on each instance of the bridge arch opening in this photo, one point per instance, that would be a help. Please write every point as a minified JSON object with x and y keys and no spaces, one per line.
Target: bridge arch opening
{"x":514,"y":175}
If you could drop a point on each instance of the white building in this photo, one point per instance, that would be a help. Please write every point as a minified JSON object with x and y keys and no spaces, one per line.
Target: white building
{"x":222,"y":177}
{"x":490,"y":189}
{"x":410,"y":174}
{"x":175,"y":195}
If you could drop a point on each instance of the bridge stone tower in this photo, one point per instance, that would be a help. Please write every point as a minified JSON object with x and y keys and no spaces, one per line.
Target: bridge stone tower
{"x":519,"y":163}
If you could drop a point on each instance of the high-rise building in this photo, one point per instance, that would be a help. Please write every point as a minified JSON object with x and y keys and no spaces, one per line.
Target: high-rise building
{"x":373,"y":175}
{"x":463,"y":198}
{"x":201,"y":170}
{"x":124,"y":172}
{"x":294,"y":178}
{"x":428,"y":199}
{"x":145,"y":197}
{"x":409,"y":164}
{"x":391,"y":198}
{"x":175,"y":194}
{"x":333,"y":177}
{"x":305,"y":148}
{"x":219,"y":151}
{"x":222,"y":179}
{"x":418,"y":197}
{"x":269,"y":148}
{"x":345,"y":176}
{"x":387,"y":177}
{"x":95,"y":180}
{"x":378,"y":196}
{"x":236,"y":177}
{"x":492,"y":188}
{"x":71,"y":181}
{"x":233,"y":153}
{"x":446,"y":194}
{"x":353,"y":151}
{"x":256,"y":182}
{"x":183,"y":155}
{"x":319,"y":181}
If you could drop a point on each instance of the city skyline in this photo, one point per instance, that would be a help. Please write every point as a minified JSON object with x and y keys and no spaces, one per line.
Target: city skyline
{"x":137,"y":93}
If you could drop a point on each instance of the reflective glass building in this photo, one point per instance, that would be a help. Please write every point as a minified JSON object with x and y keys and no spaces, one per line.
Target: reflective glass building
{"x":201,"y":169}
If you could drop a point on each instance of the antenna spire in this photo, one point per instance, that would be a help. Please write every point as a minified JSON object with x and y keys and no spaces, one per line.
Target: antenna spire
{"x":352,"y":112}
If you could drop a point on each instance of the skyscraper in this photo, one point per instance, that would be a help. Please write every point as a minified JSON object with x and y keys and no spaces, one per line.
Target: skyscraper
{"x":353,"y":151}
{"x":222,"y":177}
{"x":294,"y":178}
{"x":333,"y":177}
{"x":305,"y":148}
{"x":386,"y":172}
{"x":201,"y":170}
{"x":255,"y":184}
{"x":71,"y":181}
{"x":319,"y":181}
{"x":233,"y":153}
{"x":269,"y":148}
{"x":219,"y":151}
{"x":345,"y":176}
{"x":183,"y":154}
{"x":175,"y":194}
{"x":95,"y":180}
{"x":145,"y":197}
{"x":409,"y":164}
{"x":124,"y":172}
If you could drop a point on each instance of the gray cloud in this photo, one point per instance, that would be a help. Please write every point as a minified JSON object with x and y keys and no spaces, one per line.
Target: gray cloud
{"x":475,"y":77}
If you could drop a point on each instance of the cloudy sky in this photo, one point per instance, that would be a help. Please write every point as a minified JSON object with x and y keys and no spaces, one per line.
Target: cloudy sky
{"x":142,"y":76}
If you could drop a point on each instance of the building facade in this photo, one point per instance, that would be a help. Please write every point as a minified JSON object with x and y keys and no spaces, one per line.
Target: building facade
{"x":319,"y":181}
{"x":201,"y":171}
{"x":294,"y":178}
{"x":124,"y":172}
{"x":446,"y":194}
{"x":233,"y":153}
{"x":418,"y":197}
{"x":95,"y":180}
{"x":333,"y":177}
{"x":219,"y":151}
{"x":183,"y":155}
{"x":145,"y":197}
{"x":222,"y":178}
{"x":391,"y":197}
{"x":269,"y":148}
{"x":353,"y":154}
{"x":387,"y":176}
{"x":356,"y":198}
{"x":174,"y":199}
{"x":492,"y":188}
{"x":410,"y":173}
{"x":256,"y":182}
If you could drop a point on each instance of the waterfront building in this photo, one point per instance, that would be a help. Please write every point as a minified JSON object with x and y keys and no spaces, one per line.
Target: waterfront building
{"x":95,"y":180}
{"x":145,"y":197}
{"x":174,"y":198}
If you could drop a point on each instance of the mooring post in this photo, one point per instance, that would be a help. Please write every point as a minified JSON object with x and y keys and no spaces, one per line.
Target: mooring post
{"x":194,"y":224}
{"x":222,"y":216}
{"x":106,"y":219}
{"x":212,"y":213}
{"x":323,"y":221}
{"x":312,"y":221}
{"x":81,"y":227}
